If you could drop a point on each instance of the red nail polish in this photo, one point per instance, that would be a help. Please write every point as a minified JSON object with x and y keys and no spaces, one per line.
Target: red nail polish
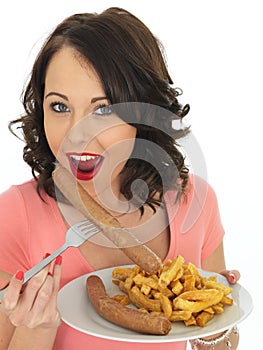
{"x":232,"y":277}
{"x":20,"y":275}
{"x":58,"y":260}
{"x":46,"y":255}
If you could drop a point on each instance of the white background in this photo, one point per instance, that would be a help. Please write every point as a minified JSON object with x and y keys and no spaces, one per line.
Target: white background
{"x":214,"y":53}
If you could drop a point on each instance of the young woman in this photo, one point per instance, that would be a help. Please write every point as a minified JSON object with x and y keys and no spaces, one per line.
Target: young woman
{"x":100,"y":102}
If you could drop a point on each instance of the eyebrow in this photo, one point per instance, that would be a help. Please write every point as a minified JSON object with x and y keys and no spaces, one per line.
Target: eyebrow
{"x":56,"y":94}
{"x":93,"y":100}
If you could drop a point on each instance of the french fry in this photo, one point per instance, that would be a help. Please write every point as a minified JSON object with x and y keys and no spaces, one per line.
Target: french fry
{"x":121,"y":273}
{"x":167,"y":276}
{"x":197,"y":304}
{"x":180,"y":315}
{"x":227,"y":300}
{"x":203,"y":318}
{"x":177,"y":287}
{"x":141,"y":301}
{"x":147,"y":281}
{"x":202,"y":295}
{"x":166,"y":305}
{"x":189,"y":283}
{"x":122,"y":299}
{"x":128,"y":283}
{"x":216,"y":285}
{"x":191,"y":321}
{"x":218,"y":309}
{"x":193,"y":269}
{"x":210,"y":309}
{"x":146,"y":290}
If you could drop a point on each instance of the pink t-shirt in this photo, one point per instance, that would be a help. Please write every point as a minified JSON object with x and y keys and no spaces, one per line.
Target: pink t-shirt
{"x":30,"y":227}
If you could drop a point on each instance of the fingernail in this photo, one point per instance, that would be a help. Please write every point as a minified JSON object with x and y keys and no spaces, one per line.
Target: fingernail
{"x":58,"y":260}
{"x":50,"y":274}
{"x":232,"y":277}
{"x":46,"y":255}
{"x":19,"y":275}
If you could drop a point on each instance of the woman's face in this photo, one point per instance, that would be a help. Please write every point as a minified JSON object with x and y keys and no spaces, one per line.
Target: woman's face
{"x":83,"y":133}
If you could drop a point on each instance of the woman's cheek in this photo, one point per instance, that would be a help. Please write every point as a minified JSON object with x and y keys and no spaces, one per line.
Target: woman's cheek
{"x":54,"y":139}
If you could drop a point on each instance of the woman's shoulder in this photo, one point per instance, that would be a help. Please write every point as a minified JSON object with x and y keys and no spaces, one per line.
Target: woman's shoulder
{"x":196,"y":186}
{"x":17,"y":194}
{"x":200,"y":187}
{"x":199,"y":195}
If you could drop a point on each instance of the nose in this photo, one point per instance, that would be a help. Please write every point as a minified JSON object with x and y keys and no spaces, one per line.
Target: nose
{"x":81,"y":131}
{"x":77,"y":132}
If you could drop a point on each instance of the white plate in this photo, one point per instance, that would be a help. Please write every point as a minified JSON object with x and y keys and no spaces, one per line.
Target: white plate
{"x":77,"y":311}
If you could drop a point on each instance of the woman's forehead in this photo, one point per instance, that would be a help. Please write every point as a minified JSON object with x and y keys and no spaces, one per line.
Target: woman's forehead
{"x":68,"y":68}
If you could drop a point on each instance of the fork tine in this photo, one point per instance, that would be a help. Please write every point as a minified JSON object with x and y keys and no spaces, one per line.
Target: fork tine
{"x":91,"y":232}
{"x":88,"y":227}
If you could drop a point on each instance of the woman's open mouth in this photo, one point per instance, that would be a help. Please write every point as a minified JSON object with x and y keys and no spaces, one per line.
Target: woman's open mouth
{"x":85,"y":166}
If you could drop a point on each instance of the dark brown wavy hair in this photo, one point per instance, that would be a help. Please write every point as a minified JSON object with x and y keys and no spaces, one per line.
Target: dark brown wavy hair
{"x":130,"y":62}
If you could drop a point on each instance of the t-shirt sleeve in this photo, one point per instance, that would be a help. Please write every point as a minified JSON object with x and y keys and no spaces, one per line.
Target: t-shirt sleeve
{"x":13,"y":232}
{"x":214,"y":231}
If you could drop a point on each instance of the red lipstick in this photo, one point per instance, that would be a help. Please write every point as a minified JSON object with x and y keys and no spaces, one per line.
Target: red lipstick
{"x":85,"y":166}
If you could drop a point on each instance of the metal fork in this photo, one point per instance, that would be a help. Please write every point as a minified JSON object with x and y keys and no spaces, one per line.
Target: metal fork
{"x":75,"y":236}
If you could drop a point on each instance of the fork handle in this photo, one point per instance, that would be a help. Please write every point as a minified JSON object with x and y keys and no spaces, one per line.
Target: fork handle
{"x":38,"y":267}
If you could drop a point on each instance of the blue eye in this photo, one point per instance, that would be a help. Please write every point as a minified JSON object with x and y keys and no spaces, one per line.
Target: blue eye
{"x":103,"y":110}
{"x":59,"y":107}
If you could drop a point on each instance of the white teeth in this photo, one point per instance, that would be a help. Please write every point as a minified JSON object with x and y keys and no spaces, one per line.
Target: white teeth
{"x":83,"y":158}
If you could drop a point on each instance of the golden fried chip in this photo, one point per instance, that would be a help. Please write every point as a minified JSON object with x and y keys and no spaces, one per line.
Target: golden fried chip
{"x":227,"y":300}
{"x":166,"y":304}
{"x":177,"y":287}
{"x":167,"y":276}
{"x":121,"y":273}
{"x":210,"y":310}
{"x":142,"y":301}
{"x":201,"y":294}
{"x":216,"y":285}
{"x":147,"y":281}
{"x":203,"y":318}
{"x":189,"y":283}
{"x":191,"y":321}
{"x":146,"y":290}
{"x":193,"y":269}
{"x":218,"y":308}
{"x":122,"y":299}
{"x":197,"y":304}
{"x":180,"y":315}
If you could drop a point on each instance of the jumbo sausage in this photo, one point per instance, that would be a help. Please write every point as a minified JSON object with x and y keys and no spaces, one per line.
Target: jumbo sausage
{"x":139,"y":253}
{"x":121,"y":315}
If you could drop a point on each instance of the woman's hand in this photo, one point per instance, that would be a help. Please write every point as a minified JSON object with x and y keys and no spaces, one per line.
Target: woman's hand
{"x":232,"y":276}
{"x":34,"y":305}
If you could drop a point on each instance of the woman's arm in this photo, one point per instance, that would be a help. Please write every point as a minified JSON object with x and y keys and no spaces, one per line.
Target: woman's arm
{"x":6,"y":331}
{"x":33,"y":339}
{"x":216,"y":261}
{"x":15,"y":338}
